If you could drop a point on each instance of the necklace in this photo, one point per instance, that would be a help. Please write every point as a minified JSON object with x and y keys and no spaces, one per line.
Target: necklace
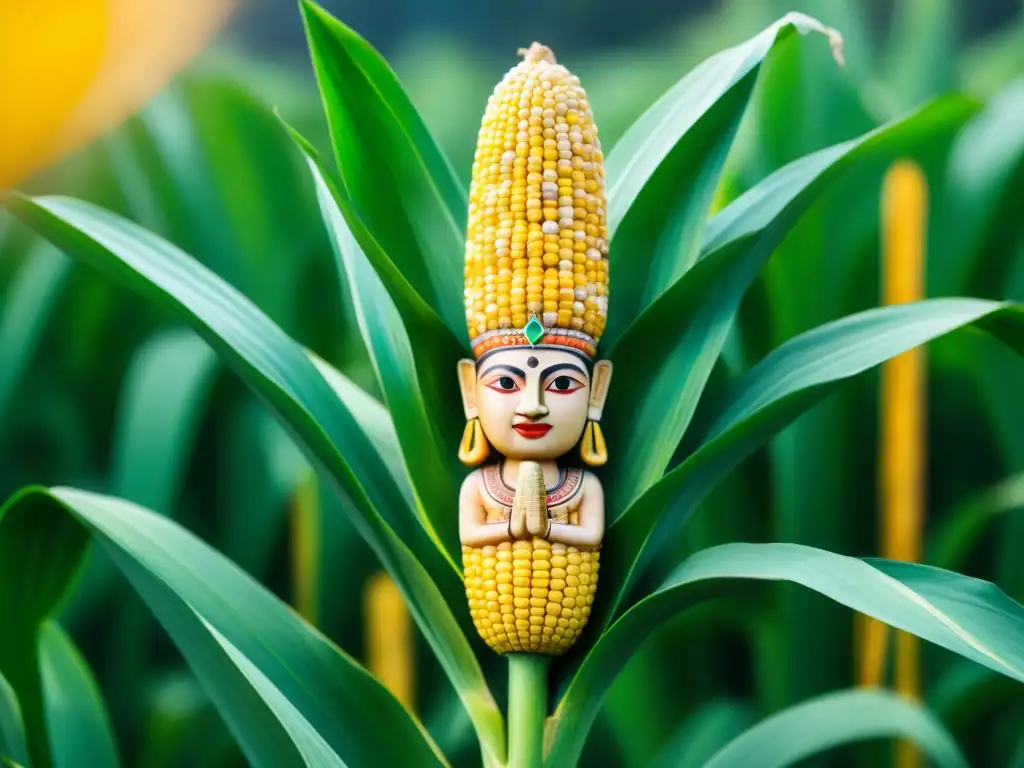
{"x":570,"y":483}
{"x":558,"y":484}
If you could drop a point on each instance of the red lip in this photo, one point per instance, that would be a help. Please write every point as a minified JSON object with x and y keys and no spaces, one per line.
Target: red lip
{"x":531,"y":431}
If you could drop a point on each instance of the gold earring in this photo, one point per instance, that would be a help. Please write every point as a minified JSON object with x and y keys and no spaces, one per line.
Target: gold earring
{"x":594,"y":449}
{"x":473,"y":448}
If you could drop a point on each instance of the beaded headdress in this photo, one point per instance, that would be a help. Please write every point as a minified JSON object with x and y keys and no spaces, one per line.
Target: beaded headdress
{"x":536,"y":269}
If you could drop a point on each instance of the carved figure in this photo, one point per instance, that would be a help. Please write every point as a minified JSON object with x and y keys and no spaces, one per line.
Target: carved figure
{"x":531,"y":519}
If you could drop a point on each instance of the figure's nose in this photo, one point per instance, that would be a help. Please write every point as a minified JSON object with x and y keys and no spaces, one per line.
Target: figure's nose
{"x":531,"y":404}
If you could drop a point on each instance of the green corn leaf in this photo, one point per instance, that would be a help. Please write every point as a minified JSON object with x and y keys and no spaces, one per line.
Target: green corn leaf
{"x":270,"y":362}
{"x":665,"y":169}
{"x":987,"y":66}
{"x":278,"y":684}
{"x":79,"y":728}
{"x":415,"y":370}
{"x":957,"y":534}
{"x":642,"y":148}
{"x":788,"y":382}
{"x":850,"y":345}
{"x":39,"y":559}
{"x":1000,"y":382}
{"x":312,"y":746}
{"x":1017,"y":760}
{"x":967,"y":616}
{"x":343,"y":555}
{"x":858,"y":44}
{"x":277,"y":369}
{"x":804,"y":102}
{"x":703,"y":733}
{"x":662,"y":229}
{"x":270,"y":495}
{"x":160,"y":409}
{"x":184,"y":165}
{"x":260,"y":468}
{"x":976,"y":250}
{"x":806,"y":105}
{"x":922,"y":55}
{"x":835,"y":719}
{"x":159,"y":414}
{"x":12,"y":727}
{"x":966,"y":695}
{"x":397,"y":176}
{"x":983,"y":185}
{"x":181,"y":721}
{"x":25,"y":308}
{"x":429,"y":331}
{"x":673,"y":345}
{"x":374,"y":419}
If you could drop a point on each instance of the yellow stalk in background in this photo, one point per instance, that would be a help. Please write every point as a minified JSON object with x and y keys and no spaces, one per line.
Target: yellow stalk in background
{"x":389,"y":637}
{"x":872,"y":636}
{"x":74,"y":69}
{"x":387,"y":624}
{"x":305,"y":539}
{"x":902,"y":427}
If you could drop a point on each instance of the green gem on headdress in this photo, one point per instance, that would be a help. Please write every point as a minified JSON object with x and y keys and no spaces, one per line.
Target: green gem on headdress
{"x":534,"y":331}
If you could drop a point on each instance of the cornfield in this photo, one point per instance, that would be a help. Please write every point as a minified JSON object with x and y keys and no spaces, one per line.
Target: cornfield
{"x":230,"y":416}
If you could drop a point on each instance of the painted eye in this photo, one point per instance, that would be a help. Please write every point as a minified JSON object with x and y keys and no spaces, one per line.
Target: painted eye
{"x":504,"y":384}
{"x":564,"y":384}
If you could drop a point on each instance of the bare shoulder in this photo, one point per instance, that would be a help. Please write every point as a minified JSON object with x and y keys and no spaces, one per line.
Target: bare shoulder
{"x":591,"y":482}
{"x":471,"y":483}
{"x":470,"y":498}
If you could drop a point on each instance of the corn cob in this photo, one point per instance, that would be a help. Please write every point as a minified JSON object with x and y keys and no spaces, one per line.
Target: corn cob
{"x":530,"y":594}
{"x":536,"y":260}
{"x":537,"y":239}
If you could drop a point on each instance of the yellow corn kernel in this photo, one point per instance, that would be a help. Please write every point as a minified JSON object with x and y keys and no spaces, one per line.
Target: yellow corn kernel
{"x":541,"y":613}
{"x":538,"y":188}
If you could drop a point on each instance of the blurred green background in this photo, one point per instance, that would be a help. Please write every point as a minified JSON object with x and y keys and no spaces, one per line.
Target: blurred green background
{"x":100,"y":391}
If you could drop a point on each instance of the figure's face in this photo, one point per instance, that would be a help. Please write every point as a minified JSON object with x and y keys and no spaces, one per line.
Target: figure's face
{"x":532,"y":402}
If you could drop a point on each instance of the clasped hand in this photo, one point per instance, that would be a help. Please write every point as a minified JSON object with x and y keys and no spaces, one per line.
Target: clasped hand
{"x":529,"y":515}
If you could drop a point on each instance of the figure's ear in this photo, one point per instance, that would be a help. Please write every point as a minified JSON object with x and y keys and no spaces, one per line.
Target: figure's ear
{"x":467,"y":385}
{"x":593,"y":449}
{"x":599,"y":388}
{"x":473,"y":448}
